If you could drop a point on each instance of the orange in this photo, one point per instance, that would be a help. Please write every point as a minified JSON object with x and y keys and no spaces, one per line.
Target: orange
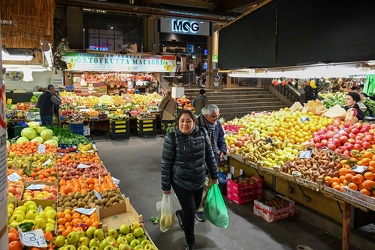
{"x":353,"y":186}
{"x":357,"y":179}
{"x":68,"y":217}
{"x":60,"y":215}
{"x":61,"y":221}
{"x":336,"y":179}
{"x":12,"y":237}
{"x":369,"y":176}
{"x":338,"y":187}
{"x":76,"y":215}
{"x":15,"y":245}
{"x":348,"y":177}
{"x":48,"y":236}
{"x":369,"y":185}
{"x":365,"y":192}
{"x":343,"y":171}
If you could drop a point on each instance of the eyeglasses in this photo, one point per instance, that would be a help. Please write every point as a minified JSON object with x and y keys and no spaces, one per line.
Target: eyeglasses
{"x":215,"y":116}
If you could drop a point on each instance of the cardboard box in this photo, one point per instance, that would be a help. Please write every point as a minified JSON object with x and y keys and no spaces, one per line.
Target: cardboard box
{"x":271,"y":214}
{"x":41,"y":202}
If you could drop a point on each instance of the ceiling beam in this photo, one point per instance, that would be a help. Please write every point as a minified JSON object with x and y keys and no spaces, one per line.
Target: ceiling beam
{"x":233,"y":6}
{"x":186,"y":3}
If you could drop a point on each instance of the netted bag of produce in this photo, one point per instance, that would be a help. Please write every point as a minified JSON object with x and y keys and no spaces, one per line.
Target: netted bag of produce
{"x":297,"y":106}
{"x":314,"y":106}
{"x":351,"y":116}
{"x":335,"y":112}
{"x":215,"y":209}
{"x":166,"y":212}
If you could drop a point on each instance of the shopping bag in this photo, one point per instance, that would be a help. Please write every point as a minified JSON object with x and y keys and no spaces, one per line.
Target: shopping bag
{"x":335,"y":112}
{"x":351,"y":116}
{"x":297,"y":106}
{"x":314,"y":106}
{"x":215,"y":209}
{"x":166,"y":211}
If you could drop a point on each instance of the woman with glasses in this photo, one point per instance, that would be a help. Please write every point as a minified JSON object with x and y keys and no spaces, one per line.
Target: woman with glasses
{"x":186,"y":154}
{"x":209,"y":119}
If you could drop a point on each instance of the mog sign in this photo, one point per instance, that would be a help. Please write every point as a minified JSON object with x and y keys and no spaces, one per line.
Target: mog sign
{"x":184,"y":26}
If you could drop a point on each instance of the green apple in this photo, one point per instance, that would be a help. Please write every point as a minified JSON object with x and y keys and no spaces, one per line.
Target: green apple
{"x":123,"y":246}
{"x":113,"y":233}
{"x":21,"y":212}
{"x":42,"y":215}
{"x":110,"y":248}
{"x":23,"y":208}
{"x":47,"y":208}
{"x":13,"y":223}
{"x":94,"y":248}
{"x":104,"y":243}
{"x":10,"y":210}
{"x":94,"y":243}
{"x":32,"y":207}
{"x":16,"y":218}
{"x":135,"y":225}
{"x":111,"y":239}
{"x":121,"y":239}
{"x":90,"y":232}
{"x":149,"y":247}
{"x":125,"y":229}
{"x":49,"y":229}
{"x":51,"y":214}
{"x":81,"y":233}
{"x":142,"y":238}
{"x":31,"y":214}
{"x":99,"y":234}
{"x":145,"y":242}
{"x":134,"y":243}
{"x":138,"y":232}
{"x":83,"y":247}
{"x":69,"y":247}
{"x":40,"y":222}
{"x":138,"y":247}
{"x":83,"y":241}
{"x":60,"y":241}
{"x":72,"y":238}
{"x":52,"y":221}
{"x":11,"y":205}
{"x":129,"y":237}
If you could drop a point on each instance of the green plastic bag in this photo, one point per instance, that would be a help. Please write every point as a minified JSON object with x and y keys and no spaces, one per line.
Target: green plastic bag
{"x":215,"y":209}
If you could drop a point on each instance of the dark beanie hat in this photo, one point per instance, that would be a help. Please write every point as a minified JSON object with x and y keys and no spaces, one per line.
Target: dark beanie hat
{"x":356,"y":97}
{"x":202,"y":91}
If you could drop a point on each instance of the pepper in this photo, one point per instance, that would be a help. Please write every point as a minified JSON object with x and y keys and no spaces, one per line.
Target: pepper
{"x":26,"y":226}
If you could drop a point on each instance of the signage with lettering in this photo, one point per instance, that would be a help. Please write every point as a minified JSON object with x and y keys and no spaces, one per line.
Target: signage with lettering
{"x":185,"y":26}
{"x":104,"y":61}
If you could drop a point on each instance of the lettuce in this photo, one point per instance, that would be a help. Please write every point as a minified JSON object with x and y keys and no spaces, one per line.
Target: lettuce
{"x":21,"y":139}
{"x":29,"y":133}
{"x":46,"y":134}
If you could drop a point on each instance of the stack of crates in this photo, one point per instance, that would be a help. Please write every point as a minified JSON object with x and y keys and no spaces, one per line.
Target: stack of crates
{"x":244,"y":190}
{"x":119,"y":129}
{"x":146,"y":127}
{"x":17,"y":130}
{"x":77,"y":128}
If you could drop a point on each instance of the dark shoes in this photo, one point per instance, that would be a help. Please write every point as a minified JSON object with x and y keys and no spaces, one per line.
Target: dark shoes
{"x":179,"y":217}
{"x":200,"y":216}
{"x":190,"y":246}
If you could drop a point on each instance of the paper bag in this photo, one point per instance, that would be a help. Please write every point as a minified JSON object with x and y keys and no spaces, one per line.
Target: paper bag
{"x":335,"y":112}
{"x":314,"y":106}
{"x":351,"y":116}
{"x":297,"y":106}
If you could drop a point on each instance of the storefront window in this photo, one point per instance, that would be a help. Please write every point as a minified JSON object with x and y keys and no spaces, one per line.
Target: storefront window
{"x":112,"y":32}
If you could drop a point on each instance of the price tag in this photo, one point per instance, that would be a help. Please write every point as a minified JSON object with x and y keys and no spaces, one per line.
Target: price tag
{"x":305,"y":154}
{"x":41,"y":148}
{"x":85,"y":210}
{"x":98,"y":195}
{"x":341,"y":131}
{"x":269,"y":140}
{"x":40,"y":209}
{"x":81,"y":165}
{"x":14,"y":177}
{"x":305,"y":119}
{"x":36,"y":186}
{"x":34,"y":238}
{"x":116,"y":181}
{"x":46,"y":162}
{"x":359,"y":169}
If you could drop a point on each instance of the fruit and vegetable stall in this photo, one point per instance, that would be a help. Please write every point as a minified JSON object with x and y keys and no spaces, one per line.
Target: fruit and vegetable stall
{"x":309,"y":158}
{"x":61,"y":196}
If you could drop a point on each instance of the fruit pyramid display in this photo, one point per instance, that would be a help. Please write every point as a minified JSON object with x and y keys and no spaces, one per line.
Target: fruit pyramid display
{"x":48,"y":190}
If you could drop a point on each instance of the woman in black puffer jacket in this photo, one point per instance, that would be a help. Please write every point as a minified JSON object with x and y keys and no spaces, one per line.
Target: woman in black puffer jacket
{"x":186,"y":155}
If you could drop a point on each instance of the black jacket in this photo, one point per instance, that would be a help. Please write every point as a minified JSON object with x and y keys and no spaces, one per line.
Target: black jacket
{"x":184,"y":159}
{"x":45,"y":103}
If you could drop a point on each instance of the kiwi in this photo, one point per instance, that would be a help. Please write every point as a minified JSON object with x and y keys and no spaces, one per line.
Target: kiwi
{"x":81,"y":204}
{"x":104,"y":201}
{"x":97,"y":202}
{"x":77,"y":195}
{"x":68,"y":204}
{"x":105,"y":195}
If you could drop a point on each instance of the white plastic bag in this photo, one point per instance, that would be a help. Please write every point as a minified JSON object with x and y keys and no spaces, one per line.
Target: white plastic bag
{"x":165,"y":206}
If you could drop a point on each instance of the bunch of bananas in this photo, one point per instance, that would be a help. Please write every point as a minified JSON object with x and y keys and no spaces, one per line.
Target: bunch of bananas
{"x":83,"y":148}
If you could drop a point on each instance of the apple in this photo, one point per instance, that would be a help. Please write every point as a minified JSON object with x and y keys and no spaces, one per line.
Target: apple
{"x":22,"y":208}
{"x":318,"y":145}
{"x":90,"y":232}
{"x":355,"y":131}
{"x":110,"y":248}
{"x":337,"y":142}
{"x":113,"y":233}
{"x":134,"y":243}
{"x":138,"y":232}
{"x":51,"y":214}
{"x":16,"y":218}
{"x":324,"y":142}
{"x":129,"y":237}
{"x":69,"y":247}
{"x":357,"y":146}
{"x":316,"y":139}
{"x":99,"y":234}
{"x":366,"y":145}
{"x":83,"y":241}
{"x":111,"y":240}
{"x":142,"y":238}
{"x":19,"y":212}
{"x":94,"y":242}
{"x":145,"y":242}
{"x":331,"y":146}
{"x":59,"y":241}
{"x":72,"y":238}
{"x":343,"y":139}
{"x":28,"y":203}
{"x":104,"y":243}
{"x":124,"y":246}
{"x":30,"y":215}
{"x":83,"y":247}
{"x":125,"y":229}
{"x":121,"y":239}
{"x":94,"y":248}
{"x":139,"y":247}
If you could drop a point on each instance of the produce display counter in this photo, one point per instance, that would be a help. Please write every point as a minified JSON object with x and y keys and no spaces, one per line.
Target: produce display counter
{"x":337,"y":205}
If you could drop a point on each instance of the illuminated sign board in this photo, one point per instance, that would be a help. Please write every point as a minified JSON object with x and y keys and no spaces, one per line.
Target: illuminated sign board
{"x":184,"y":26}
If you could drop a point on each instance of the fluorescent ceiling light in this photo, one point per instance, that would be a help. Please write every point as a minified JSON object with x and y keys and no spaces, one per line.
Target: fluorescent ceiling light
{"x":8,"y":57}
{"x":34,"y":68}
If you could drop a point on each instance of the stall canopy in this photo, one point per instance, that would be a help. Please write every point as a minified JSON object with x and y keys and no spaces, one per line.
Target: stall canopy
{"x":286,"y":33}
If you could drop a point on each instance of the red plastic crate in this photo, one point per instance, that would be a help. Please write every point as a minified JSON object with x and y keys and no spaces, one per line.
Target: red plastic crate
{"x":239,"y":189}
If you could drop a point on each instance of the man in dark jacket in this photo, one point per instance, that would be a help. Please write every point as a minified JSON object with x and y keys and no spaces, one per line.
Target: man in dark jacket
{"x":46,"y":103}
{"x":200,"y":101}
{"x":209,"y":119}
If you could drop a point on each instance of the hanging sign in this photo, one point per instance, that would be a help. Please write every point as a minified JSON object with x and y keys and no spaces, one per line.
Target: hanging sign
{"x":103,"y":61}
{"x":185,"y":26}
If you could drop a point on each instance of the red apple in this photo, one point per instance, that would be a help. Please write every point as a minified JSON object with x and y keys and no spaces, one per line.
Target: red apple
{"x":347,"y":124}
{"x":357,"y":146}
{"x":318,"y":145}
{"x":337,"y":142}
{"x":366,"y":145}
{"x":324,"y":142}
{"x":355,"y":130}
{"x":346,"y":152}
{"x":331,"y":146}
{"x":343,"y":139}
{"x":316,"y":139}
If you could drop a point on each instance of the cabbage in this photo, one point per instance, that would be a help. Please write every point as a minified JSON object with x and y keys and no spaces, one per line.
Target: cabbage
{"x":29,"y":133}
{"x":55,"y":138}
{"x":21,"y":139}
{"x":40,"y":129}
{"x":46,"y":134}
{"x":38,"y":139}
{"x":53,"y":142}
{"x":33,"y":124}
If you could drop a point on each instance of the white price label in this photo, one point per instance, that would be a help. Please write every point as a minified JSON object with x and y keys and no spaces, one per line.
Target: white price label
{"x":41,"y":148}
{"x":34,"y":238}
{"x":305,"y":154}
{"x":81,"y":165}
{"x":98,"y":195}
{"x":47,"y":162}
{"x":14,"y":177}
{"x":359,"y":169}
{"x":36,"y":186}
{"x":40,"y":209}
{"x":85,"y":210}
{"x":341,"y":131}
{"x":116,"y":181}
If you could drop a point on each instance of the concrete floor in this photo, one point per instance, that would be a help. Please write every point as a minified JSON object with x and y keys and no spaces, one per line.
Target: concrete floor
{"x":136,"y":163}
